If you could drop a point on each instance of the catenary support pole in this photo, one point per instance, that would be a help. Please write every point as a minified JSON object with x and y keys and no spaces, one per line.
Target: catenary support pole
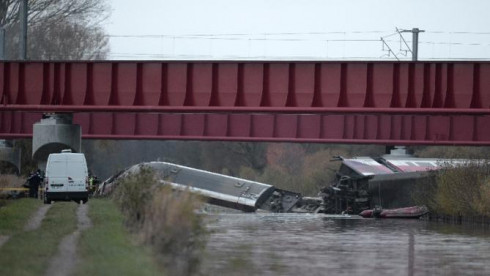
{"x":415,"y":43}
{"x":23,"y":29}
{"x":2,"y":43}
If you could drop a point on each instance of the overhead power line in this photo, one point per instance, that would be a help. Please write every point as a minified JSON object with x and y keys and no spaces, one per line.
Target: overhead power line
{"x":320,"y":40}
{"x":455,"y":43}
{"x":289,"y":33}
{"x":247,"y":34}
{"x":261,"y":57}
{"x":458,"y":33}
{"x":253,"y":39}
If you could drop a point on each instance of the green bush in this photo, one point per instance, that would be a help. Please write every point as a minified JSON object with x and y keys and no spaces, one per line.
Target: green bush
{"x":175,"y":231}
{"x":132,"y":195}
{"x":164,"y":219}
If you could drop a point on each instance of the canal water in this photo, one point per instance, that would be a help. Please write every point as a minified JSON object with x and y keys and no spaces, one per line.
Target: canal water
{"x":314,"y":244}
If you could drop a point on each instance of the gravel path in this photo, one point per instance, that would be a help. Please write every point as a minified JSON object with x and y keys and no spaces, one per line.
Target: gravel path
{"x":66,"y":259}
{"x":36,"y":219}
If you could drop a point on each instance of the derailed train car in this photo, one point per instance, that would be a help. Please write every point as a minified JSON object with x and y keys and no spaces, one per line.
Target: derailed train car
{"x":361,"y":183}
{"x":218,"y":189}
{"x":387,"y":181}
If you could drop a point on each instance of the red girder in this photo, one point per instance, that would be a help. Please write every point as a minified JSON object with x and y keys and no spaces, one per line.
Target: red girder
{"x":327,"y":128}
{"x":345,"y":102}
{"x":155,"y":86}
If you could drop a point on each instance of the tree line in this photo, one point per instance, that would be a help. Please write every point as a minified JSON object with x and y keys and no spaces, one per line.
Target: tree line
{"x":57,"y":29}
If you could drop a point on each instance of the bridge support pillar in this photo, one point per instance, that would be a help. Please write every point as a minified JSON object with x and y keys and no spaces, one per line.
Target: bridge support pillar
{"x":52,"y":134}
{"x":10,"y":154}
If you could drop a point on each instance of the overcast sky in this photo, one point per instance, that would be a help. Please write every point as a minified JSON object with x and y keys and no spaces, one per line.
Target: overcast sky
{"x":299,"y":30}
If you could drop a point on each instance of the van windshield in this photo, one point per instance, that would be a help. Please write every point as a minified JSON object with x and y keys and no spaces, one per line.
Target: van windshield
{"x":62,"y":168}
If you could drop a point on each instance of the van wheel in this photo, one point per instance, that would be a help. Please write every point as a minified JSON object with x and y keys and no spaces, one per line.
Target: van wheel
{"x":47,"y":200}
{"x":85,"y":200}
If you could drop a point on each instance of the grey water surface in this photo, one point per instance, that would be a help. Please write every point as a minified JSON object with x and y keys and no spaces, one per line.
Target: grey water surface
{"x":314,"y":244}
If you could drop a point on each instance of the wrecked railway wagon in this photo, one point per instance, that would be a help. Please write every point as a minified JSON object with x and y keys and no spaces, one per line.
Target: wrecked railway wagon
{"x":217,"y":189}
{"x":361,"y":183}
{"x":390,"y":179}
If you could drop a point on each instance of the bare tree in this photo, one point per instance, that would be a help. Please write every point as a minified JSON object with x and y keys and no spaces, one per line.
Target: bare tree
{"x":58,"y":29}
{"x":66,"y":40}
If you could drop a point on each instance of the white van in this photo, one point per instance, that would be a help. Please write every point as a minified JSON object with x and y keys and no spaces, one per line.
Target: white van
{"x":66,"y":177}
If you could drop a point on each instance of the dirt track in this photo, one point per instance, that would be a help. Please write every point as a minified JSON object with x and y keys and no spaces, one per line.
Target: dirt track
{"x":36,"y":219}
{"x":66,"y":259}
{"x":3,"y":239}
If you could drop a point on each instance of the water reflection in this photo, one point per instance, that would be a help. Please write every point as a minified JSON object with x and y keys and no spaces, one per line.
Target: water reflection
{"x":299,"y":244}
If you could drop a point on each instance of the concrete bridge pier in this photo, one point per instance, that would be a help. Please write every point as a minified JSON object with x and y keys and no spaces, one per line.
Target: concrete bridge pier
{"x":52,"y":134}
{"x":10,"y":154}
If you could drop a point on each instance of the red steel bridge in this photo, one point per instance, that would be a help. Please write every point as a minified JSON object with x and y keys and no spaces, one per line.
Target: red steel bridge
{"x":401,"y":103}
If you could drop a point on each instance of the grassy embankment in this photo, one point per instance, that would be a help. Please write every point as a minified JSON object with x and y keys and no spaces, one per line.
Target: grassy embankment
{"x":104,"y":249}
{"x":28,"y":253}
{"x":162,"y":220}
{"x":461,"y":191}
{"x":107,"y":248}
{"x":14,"y":215}
{"x":165,"y":234}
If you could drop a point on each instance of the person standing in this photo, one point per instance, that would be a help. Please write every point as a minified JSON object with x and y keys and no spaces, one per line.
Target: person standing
{"x":34,"y":182}
{"x":91,"y":184}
